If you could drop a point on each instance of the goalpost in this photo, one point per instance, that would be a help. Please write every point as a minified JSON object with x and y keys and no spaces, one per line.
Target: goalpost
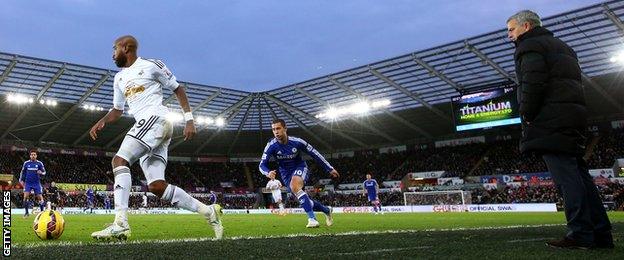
{"x":447,"y":198}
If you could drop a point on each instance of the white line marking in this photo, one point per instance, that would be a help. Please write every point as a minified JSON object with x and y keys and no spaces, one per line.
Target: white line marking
{"x":382,"y":250}
{"x":201,"y":239}
{"x":529,"y":240}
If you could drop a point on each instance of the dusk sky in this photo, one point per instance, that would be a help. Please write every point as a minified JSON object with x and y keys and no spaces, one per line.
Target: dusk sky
{"x":252,"y":45}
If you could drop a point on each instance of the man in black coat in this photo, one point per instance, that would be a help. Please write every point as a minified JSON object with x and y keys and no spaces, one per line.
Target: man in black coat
{"x":554,"y":119}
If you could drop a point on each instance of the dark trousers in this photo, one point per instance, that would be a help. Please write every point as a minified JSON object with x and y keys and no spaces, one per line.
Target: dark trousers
{"x":586,"y":216}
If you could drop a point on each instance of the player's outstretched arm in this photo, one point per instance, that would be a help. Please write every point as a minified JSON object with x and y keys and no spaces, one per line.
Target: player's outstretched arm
{"x":189,"y":129}
{"x":112,"y":116}
{"x":318,"y":158}
{"x":263,"y":166}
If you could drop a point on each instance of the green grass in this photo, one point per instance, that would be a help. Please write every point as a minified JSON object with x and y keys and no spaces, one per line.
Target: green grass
{"x":417,"y":235}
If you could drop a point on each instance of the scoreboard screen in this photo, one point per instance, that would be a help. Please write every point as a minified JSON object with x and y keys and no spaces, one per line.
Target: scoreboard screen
{"x":486,"y":109}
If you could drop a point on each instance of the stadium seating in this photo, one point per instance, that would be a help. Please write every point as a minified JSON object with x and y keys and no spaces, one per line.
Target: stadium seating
{"x":608,"y":148}
{"x":500,"y":157}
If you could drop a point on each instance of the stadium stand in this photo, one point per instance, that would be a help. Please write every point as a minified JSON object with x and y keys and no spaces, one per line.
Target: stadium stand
{"x":609,"y":148}
{"x":497,"y":157}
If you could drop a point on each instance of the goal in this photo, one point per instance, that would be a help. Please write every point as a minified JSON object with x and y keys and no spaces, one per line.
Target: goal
{"x":446,"y":198}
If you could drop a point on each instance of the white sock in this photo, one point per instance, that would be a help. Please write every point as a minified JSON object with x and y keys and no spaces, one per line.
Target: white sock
{"x":121,"y":192}
{"x":179,"y":198}
{"x":281,"y":206}
{"x":204,"y":209}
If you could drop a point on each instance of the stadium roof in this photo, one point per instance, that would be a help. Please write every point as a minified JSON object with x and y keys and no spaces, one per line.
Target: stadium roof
{"x":419,"y":86}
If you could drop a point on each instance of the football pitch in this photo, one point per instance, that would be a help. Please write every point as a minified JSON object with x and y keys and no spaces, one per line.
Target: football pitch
{"x":404,"y":235}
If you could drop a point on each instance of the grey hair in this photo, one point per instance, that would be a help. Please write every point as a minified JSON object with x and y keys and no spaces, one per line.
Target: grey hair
{"x":526,"y":16}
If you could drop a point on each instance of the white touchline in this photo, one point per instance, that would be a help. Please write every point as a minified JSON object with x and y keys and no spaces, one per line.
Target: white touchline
{"x":382,"y":250}
{"x":529,"y":240}
{"x":201,"y":239}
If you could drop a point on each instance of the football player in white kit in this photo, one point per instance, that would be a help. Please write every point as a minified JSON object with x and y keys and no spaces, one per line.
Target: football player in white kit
{"x":275,"y":186}
{"x":140,"y":83}
{"x":144,"y":203}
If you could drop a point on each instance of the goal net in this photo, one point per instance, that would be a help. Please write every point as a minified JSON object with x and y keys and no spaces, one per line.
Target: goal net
{"x":457,"y":199}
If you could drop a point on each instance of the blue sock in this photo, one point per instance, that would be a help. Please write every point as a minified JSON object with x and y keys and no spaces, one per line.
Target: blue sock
{"x":26,"y":207}
{"x":320,"y":207}
{"x":41,"y":205}
{"x":379,"y":206}
{"x":374,"y":207}
{"x":306,"y":203}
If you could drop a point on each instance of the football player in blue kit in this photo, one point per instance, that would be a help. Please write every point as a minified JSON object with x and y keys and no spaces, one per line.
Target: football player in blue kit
{"x":371,"y":189}
{"x":30,"y":178}
{"x":287,"y":150}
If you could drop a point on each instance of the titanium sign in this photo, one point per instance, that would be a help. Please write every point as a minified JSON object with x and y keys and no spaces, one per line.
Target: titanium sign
{"x":486,"y":109}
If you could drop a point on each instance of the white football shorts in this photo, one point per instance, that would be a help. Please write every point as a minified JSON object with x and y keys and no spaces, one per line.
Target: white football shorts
{"x":148,"y":140}
{"x":277,"y":195}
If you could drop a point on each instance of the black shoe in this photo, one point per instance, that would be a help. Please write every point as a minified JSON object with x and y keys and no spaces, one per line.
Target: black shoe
{"x":604,"y":245}
{"x":604,"y":240}
{"x":568,"y":243}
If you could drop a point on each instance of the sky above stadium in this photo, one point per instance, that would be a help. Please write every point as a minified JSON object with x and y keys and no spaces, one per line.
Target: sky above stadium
{"x":252,"y":45}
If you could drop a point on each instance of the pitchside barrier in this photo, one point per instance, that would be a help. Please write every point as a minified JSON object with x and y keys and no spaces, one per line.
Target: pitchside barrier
{"x":520,"y":207}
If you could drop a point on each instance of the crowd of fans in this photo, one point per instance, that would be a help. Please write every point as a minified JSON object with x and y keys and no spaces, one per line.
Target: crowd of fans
{"x":500,"y":157}
{"x":384,"y":166}
{"x":11,"y":162}
{"x":77,"y":169}
{"x":503,"y":157}
{"x":607,"y":150}
{"x":212,"y":174}
{"x":523,"y":194}
{"x":455,"y":160}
